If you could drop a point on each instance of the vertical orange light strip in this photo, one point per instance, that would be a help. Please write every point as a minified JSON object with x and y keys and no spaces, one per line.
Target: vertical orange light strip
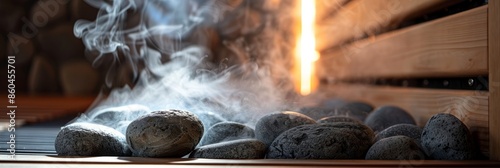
{"x":306,"y":46}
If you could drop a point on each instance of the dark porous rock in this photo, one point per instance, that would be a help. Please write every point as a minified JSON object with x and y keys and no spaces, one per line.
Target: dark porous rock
{"x":88,"y":139}
{"x":335,"y":119}
{"x":118,"y":117}
{"x":387,"y":116}
{"x":395,"y":148}
{"x":341,"y":140}
{"x":333,"y":103}
{"x":358,"y":110}
{"x":445,"y":137}
{"x":408,"y":130}
{"x":272,"y":125}
{"x":209,"y":119}
{"x":235,"y":149}
{"x":170,"y":133}
{"x":338,"y":107}
{"x":317,"y":112}
{"x":226,"y":131}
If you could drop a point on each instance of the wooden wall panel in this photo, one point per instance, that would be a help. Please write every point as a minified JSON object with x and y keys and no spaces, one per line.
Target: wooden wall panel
{"x":452,"y":46}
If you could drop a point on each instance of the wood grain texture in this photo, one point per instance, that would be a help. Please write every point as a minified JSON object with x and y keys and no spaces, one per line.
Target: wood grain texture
{"x":471,"y":107}
{"x":494,"y":76}
{"x":452,"y":46}
{"x":121,"y":162}
{"x":42,"y":108}
{"x":367,"y":16}
{"x":328,"y":8}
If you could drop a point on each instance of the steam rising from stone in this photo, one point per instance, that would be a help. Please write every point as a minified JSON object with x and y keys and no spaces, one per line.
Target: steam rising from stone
{"x":151,"y":33}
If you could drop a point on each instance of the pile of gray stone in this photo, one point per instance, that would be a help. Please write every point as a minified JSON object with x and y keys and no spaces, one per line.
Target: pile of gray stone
{"x":387,"y":133}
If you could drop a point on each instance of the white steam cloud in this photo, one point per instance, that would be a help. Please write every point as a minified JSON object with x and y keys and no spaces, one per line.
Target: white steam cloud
{"x":179,"y":74}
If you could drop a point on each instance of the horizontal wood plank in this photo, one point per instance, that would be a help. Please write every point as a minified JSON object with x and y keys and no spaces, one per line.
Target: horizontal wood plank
{"x":453,"y":46}
{"x":367,"y":16}
{"x":328,"y":8}
{"x":471,"y":107}
{"x":494,"y":77}
{"x":32,"y":109}
{"x":182,"y":162}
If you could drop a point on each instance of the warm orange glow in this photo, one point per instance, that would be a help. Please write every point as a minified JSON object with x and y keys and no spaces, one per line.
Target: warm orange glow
{"x":306,"y":46}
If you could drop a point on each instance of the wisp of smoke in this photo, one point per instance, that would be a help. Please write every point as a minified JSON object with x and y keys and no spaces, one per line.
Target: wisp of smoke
{"x":135,"y":31}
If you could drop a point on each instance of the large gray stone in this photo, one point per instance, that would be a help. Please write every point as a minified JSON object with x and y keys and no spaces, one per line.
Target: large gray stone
{"x":445,"y":137}
{"x":88,"y":139}
{"x":235,"y":149}
{"x":395,"y":148}
{"x":272,"y":125}
{"x":322,"y":141}
{"x":338,"y":107}
{"x":226,"y":131}
{"x":335,"y":119}
{"x":386,"y":116}
{"x":408,"y":130}
{"x":170,"y":133}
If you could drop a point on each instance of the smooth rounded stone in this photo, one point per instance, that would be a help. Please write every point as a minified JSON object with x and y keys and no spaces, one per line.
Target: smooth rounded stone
{"x":317,"y":113}
{"x":79,"y":78}
{"x":24,"y":52}
{"x":43,"y":77}
{"x":209,"y":119}
{"x":408,"y":130}
{"x":234,"y":149}
{"x":395,"y":148}
{"x":226,"y":131}
{"x":272,"y":125}
{"x":170,"y":133}
{"x":445,"y":137}
{"x":358,"y":110}
{"x":335,"y":119}
{"x":88,"y":139}
{"x":333,"y":103}
{"x":47,"y":12}
{"x":322,"y":141}
{"x":118,"y":117}
{"x":386,"y":116}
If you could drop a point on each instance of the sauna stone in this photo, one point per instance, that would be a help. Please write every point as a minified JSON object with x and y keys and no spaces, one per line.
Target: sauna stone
{"x":357,"y":110}
{"x":170,"y":133}
{"x":322,"y":141}
{"x":338,"y":107}
{"x":387,"y":116}
{"x":209,"y":119}
{"x":335,"y":119}
{"x":408,"y":130}
{"x":445,"y":137}
{"x":395,"y":148}
{"x":226,"y":131}
{"x":272,"y":125}
{"x":235,"y":149}
{"x":88,"y":139}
